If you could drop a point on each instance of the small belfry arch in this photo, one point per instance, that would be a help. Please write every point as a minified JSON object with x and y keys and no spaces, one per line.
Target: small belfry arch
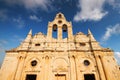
{"x":54,"y":30}
{"x":64,"y":31}
{"x":55,"y":27}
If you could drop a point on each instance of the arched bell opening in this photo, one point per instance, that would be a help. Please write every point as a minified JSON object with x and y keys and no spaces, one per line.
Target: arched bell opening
{"x":54,"y":31}
{"x":65,"y":31}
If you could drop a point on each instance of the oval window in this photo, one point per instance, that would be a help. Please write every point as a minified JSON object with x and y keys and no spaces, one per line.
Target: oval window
{"x":33,"y":63}
{"x":86,"y":63}
{"x":59,"y":22}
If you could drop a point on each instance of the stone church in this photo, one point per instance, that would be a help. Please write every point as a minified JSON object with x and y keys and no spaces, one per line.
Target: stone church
{"x":60,"y":55}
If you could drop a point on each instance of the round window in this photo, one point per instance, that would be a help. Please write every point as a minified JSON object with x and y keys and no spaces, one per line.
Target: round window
{"x":86,"y":62}
{"x":33,"y":63}
{"x":59,"y":21}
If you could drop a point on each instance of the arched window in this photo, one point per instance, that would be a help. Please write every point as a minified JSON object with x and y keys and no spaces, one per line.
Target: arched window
{"x":54,"y":32}
{"x":65,"y":31}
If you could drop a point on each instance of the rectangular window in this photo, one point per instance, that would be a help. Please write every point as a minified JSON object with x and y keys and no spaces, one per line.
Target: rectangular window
{"x":60,"y":77}
{"x":31,"y":77}
{"x":82,"y":44}
{"x":89,"y":77}
{"x":37,"y":44}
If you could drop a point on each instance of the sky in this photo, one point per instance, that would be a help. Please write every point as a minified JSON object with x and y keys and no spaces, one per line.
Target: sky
{"x":102,"y":17}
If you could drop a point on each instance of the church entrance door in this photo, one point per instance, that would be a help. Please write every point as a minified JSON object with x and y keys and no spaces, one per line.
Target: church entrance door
{"x":31,"y":77}
{"x":89,"y":77}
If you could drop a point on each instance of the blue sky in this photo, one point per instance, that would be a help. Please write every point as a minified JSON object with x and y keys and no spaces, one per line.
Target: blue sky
{"x":102,"y":17}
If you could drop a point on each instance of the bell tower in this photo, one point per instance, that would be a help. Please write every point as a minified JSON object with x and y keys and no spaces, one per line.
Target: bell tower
{"x":61,"y":27}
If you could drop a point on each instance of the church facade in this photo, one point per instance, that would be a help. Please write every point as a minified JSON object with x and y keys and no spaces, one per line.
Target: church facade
{"x":56,"y":56}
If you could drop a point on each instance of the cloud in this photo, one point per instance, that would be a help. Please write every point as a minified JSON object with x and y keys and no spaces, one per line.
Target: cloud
{"x":35,"y":18}
{"x":114,"y":3}
{"x":44,"y":4}
{"x":111,"y":30}
{"x":117,"y":56}
{"x":93,"y":9}
{"x":3,"y":15}
{"x":31,"y":4}
{"x":19,"y":22}
{"x":90,"y":10}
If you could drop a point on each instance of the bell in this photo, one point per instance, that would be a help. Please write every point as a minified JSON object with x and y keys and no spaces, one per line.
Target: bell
{"x":64,"y":28}
{"x":54,"y":27}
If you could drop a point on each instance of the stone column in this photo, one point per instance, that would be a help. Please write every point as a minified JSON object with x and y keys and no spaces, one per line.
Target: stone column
{"x":70,"y":33}
{"x":46,"y":68}
{"x":49,"y":32}
{"x":50,"y":68}
{"x":20,"y":66}
{"x":43,"y":68}
{"x":59,"y":35}
{"x":100,"y":67}
{"x":106,"y":69}
{"x":72,"y":68}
